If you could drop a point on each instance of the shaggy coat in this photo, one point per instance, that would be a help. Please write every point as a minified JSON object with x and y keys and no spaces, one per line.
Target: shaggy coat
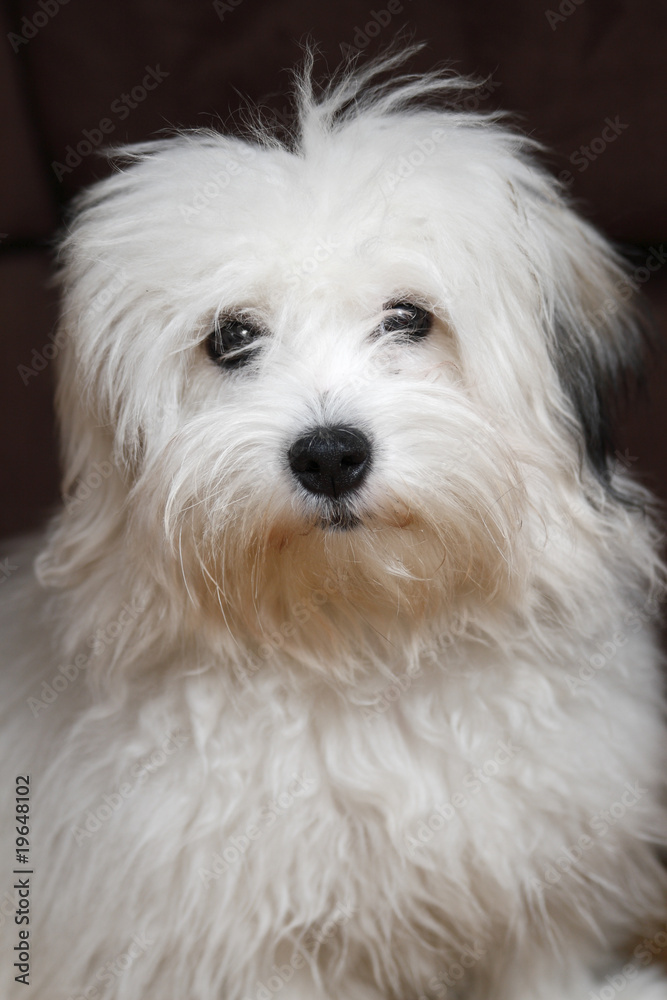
{"x":409,"y":744}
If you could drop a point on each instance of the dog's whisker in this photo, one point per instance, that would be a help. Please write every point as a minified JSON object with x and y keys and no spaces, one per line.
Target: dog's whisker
{"x":183,"y":574}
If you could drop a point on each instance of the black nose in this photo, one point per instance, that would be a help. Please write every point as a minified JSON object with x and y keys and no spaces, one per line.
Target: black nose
{"x":330,"y":460}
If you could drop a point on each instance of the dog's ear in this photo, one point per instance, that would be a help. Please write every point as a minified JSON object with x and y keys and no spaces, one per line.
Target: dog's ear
{"x":597,"y":334}
{"x":97,"y":463}
{"x":92,"y":486}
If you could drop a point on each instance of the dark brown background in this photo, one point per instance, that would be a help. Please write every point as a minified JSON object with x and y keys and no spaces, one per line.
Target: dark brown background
{"x":564,"y":67}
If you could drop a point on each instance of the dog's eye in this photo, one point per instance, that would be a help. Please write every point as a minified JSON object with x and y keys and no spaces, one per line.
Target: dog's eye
{"x":231,"y":341}
{"x":408,"y":320}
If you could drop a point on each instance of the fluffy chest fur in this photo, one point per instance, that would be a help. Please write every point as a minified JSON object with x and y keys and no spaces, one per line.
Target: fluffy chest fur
{"x":376,"y":823}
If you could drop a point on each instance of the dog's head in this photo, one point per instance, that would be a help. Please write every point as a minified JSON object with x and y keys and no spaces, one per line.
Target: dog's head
{"x":369,"y":364}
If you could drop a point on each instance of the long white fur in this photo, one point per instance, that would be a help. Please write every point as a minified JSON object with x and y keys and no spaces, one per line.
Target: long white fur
{"x":362,"y":675}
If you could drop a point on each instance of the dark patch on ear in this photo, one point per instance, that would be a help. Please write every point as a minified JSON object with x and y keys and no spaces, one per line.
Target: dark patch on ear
{"x":598,"y":377}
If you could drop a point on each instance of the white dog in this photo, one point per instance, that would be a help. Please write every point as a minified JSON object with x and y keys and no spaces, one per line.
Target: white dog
{"x":336,"y":675}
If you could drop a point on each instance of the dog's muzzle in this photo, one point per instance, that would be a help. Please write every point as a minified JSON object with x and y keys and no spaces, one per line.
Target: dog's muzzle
{"x":331,"y":461}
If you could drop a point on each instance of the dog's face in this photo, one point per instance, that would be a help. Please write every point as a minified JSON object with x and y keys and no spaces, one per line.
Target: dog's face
{"x":364,"y":366}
